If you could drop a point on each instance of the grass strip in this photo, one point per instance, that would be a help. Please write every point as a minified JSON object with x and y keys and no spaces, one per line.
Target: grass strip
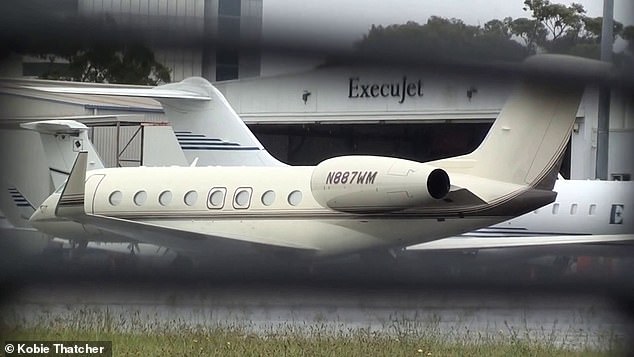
{"x":239,"y":342}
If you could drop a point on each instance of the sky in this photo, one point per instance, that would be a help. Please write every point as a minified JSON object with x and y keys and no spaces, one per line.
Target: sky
{"x":339,"y":23}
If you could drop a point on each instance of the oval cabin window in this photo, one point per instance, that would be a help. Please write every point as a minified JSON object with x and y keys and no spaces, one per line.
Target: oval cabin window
{"x":190,"y":198}
{"x":242,"y":198}
{"x":165,"y":198}
{"x":295,"y":198}
{"x":115,"y":198}
{"x":268,"y":198}
{"x":140,"y":198}
{"x":217,"y":197}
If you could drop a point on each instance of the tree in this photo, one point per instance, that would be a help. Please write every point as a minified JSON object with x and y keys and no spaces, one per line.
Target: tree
{"x":592,"y":27}
{"x":628,"y":35}
{"x":103,"y":63}
{"x":560,"y":20}
{"x":441,"y":39}
{"x":531,"y":32}
{"x":567,"y":28}
{"x":626,"y":59}
{"x":554,"y":28}
{"x":499,"y":28}
{"x":95,"y":49}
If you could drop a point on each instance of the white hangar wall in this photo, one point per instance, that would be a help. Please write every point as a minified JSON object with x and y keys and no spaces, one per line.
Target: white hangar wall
{"x":346,"y":95}
{"x":621,"y":138}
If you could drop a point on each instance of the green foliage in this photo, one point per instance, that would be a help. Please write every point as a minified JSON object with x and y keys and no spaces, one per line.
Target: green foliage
{"x":628,"y":33}
{"x":499,"y":28}
{"x":442,"y":38}
{"x":552,"y":28}
{"x":140,"y":334}
{"x":567,"y":28}
{"x":130,"y":64}
{"x":531,"y":32}
{"x":238,"y":342}
{"x":626,"y":59}
{"x":560,"y":20}
{"x":96,"y":51}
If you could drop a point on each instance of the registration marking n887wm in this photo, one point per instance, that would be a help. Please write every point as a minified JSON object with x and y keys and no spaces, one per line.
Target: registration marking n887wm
{"x":351,"y":177}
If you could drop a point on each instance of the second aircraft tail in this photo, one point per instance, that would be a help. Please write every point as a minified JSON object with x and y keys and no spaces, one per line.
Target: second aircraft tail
{"x":62,"y":141}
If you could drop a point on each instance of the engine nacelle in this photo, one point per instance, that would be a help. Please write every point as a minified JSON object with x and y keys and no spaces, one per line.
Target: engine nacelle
{"x":376,"y":184}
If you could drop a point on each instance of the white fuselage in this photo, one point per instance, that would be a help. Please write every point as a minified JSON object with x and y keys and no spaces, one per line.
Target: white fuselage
{"x":581,"y":207}
{"x":265,"y":205}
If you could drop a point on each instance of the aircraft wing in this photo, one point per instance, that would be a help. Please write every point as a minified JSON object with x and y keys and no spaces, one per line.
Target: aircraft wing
{"x":183,"y":241}
{"x":466,"y":243}
{"x":155,"y":93}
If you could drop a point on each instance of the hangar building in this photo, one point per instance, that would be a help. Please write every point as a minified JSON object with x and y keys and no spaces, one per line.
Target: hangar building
{"x":215,"y":39}
{"x":302,"y":118}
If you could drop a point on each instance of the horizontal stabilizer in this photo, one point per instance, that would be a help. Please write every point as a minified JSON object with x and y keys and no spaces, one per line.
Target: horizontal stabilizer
{"x":56,"y":126}
{"x":463,"y":197}
{"x":475,"y":190}
{"x":15,"y":123}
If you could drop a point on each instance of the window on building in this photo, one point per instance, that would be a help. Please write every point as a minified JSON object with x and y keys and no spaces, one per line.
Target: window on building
{"x":229,"y":7}
{"x":229,"y":29}
{"x":621,"y":177}
{"x":227,"y":64}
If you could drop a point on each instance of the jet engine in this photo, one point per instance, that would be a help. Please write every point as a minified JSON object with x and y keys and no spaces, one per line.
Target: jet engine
{"x":369,"y":184}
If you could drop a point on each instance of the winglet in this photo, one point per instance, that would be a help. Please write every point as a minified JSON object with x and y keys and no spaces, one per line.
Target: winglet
{"x":71,"y":202}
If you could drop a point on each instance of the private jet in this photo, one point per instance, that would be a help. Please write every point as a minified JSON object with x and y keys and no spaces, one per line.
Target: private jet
{"x":343,"y":205}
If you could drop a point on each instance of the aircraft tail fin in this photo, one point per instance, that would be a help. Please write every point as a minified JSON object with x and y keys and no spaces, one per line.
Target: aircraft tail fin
{"x":62,"y":140}
{"x":210,"y":129}
{"x":204,"y":122}
{"x":71,"y":200}
{"x":526,"y":143}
